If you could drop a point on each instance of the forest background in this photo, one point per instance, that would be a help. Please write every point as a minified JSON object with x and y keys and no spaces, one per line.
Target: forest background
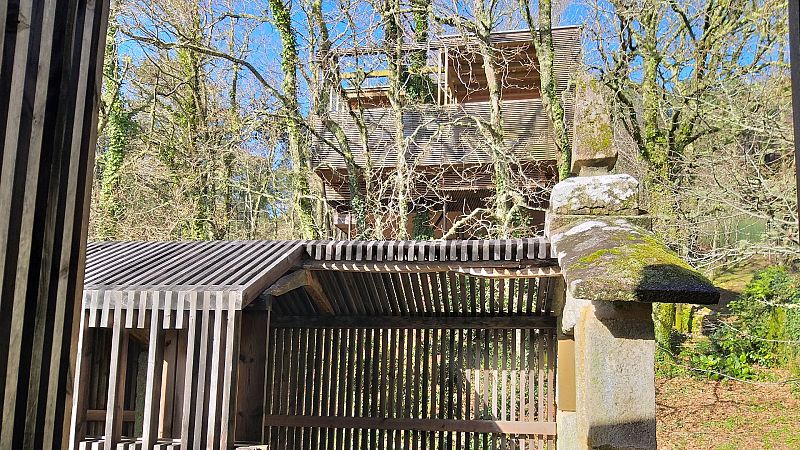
{"x":209,"y":110}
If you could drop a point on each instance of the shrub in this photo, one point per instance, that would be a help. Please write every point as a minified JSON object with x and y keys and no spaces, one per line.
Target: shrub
{"x":763,"y":330}
{"x":766,"y":319}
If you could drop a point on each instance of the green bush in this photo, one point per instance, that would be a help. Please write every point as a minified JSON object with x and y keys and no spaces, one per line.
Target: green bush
{"x":766,"y":319}
{"x":762,"y":330}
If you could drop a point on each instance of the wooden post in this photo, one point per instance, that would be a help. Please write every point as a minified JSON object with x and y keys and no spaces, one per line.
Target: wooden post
{"x":155,"y":363}
{"x":252,"y":371}
{"x":81,"y":384}
{"x":116,"y":381}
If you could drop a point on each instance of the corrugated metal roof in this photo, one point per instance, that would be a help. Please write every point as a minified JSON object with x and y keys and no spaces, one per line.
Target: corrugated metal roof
{"x":174,"y":275}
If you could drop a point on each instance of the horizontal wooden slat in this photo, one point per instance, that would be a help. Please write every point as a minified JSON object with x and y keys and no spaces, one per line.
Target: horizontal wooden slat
{"x":99,"y":415}
{"x":386,"y":322}
{"x":380,"y":423}
{"x":476,"y":268}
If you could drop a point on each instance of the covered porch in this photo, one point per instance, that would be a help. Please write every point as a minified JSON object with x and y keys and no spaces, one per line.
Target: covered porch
{"x":318,"y":344}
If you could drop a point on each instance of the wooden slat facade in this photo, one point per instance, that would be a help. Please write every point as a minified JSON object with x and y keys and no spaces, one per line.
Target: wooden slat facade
{"x":50,"y":72}
{"x":440,"y":136}
{"x":317,"y":344}
{"x":445,"y":134}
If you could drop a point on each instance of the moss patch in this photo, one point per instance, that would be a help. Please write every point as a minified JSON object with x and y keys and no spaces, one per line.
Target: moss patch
{"x":621,"y":262}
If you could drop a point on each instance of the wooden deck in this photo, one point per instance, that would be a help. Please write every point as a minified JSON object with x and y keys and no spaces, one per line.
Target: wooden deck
{"x":309,"y":344}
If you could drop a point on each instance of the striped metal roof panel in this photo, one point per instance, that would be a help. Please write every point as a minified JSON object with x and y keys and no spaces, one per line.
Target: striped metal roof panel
{"x":176,"y":275}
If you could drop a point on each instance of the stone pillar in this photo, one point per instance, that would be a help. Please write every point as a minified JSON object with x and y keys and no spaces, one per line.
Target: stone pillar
{"x":614,"y":361}
{"x":614,"y":269}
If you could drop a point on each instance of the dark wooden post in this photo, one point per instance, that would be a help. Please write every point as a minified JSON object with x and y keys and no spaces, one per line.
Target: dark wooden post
{"x":50,"y":72}
{"x":794,"y":56}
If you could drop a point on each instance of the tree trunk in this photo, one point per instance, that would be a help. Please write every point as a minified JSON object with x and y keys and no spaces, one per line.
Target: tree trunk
{"x":545,"y":53}
{"x":116,"y":128}
{"x":298,"y":148}
{"x":394,"y":44}
{"x":494,"y":134}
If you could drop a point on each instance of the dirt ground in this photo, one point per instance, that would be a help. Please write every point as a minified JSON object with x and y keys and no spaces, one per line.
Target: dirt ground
{"x":726,"y":415}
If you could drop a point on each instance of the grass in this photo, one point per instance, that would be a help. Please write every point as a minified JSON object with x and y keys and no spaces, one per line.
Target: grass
{"x":720,"y":415}
{"x":694,"y":413}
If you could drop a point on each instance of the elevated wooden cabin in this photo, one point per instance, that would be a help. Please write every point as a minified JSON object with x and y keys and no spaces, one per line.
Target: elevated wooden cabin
{"x":297,"y":345}
{"x":448,"y":154}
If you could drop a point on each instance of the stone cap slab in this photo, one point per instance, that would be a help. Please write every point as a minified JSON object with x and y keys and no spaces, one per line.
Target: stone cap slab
{"x":605,"y":195}
{"x":611,"y":259}
{"x":558,"y":221}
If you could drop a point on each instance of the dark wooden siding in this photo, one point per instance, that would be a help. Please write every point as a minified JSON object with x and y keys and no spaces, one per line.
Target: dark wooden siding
{"x":447,"y":134}
{"x":442,"y":135}
{"x":50,"y":65}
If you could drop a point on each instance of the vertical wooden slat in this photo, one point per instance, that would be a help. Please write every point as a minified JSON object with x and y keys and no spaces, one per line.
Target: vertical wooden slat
{"x":277,"y":390}
{"x":211,"y":429}
{"x":341,"y":394}
{"x":531,"y":383}
{"x":295,"y":361}
{"x":189,"y":401}
{"x":269,"y":389}
{"x":230,"y":371}
{"x":201,"y":393}
{"x":504,"y":375}
{"x":434,"y":373}
{"x":330,"y":376}
{"x":83,"y":381}
{"x":458,"y":376}
{"x":119,"y":358}
{"x":540,"y":368}
{"x":551,"y":367}
{"x":315,"y":393}
{"x":155,"y":360}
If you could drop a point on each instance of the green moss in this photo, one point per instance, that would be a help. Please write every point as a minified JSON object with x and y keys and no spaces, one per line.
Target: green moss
{"x":596,"y":135}
{"x":631,"y":262}
{"x":592,"y":258}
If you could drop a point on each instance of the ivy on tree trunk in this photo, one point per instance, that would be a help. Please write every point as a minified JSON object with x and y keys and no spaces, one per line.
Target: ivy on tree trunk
{"x":303,"y":199}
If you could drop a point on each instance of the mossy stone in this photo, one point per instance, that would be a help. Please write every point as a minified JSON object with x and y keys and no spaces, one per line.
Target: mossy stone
{"x":614,"y":260}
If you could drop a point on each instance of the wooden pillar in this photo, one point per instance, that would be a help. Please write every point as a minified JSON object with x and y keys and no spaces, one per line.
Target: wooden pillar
{"x":81,"y":385}
{"x":116,"y":381}
{"x":252,"y":373}
{"x":155,"y":363}
{"x":50,"y":71}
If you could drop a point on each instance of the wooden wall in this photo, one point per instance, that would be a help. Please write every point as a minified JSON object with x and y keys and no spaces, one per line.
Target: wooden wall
{"x":428,"y":388}
{"x":50,"y":66}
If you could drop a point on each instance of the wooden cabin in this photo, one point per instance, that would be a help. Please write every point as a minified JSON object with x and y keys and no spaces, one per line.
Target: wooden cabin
{"x":295,"y":345}
{"x":448,"y":154}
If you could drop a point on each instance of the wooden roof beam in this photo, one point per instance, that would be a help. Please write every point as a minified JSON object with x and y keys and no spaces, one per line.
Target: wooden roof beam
{"x":306,"y":280}
{"x":504,"y":269}
{"x":415,"y":322}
